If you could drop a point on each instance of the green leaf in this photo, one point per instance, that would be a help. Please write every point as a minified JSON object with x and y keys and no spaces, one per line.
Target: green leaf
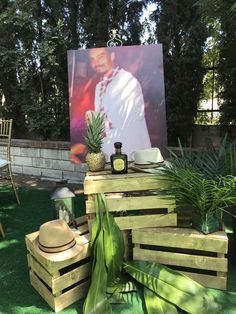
{"x":173,"y":287}
{"x":96,"y":301}
{"x":127,"y":286}
{"x":97,"y":222}
{"x":133,"y":303}
{"x":113,"y":243}
{"x":116,"y":297}
{"x":155,"y":304}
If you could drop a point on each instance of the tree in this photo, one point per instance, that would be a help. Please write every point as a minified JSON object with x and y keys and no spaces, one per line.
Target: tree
{"x":11,"y":59}
{"x":99,"y":17}
{"x":34,"y":40}
{"x":224,"y":11}
{"x":180,"y":29}
{"x":227,"y":70}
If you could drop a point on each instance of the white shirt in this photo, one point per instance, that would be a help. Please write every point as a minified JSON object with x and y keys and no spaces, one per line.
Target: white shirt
{"x":123,"y":104}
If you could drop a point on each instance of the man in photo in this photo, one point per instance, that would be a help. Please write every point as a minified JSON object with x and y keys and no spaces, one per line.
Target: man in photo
{"x":119,"y":96}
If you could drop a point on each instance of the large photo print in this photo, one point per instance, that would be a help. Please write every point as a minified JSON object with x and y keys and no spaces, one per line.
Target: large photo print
{"x":127,"y":85}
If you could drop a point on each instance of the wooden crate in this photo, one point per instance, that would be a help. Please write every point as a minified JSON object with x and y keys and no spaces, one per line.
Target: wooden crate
{"x":199,"y":256}
{"x":132,"y":199}
{"x":61,"y":283}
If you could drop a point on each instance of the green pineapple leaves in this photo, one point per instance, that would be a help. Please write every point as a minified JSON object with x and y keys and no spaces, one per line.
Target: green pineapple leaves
{"x":95,"y":132}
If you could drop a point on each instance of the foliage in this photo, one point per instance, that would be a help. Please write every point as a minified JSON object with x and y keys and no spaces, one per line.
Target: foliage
{"x":95,"y":132}
{"x":173,"y":288}
{"x":156,"y":304}
{"x":180,"y":29}
{"x":107,"y":247}
{"x":195,"y":192}
{"x":203,"y":180}
{"x":217,"y":8}
{"x":209,"y":160}
{"x":224,"y":14}
{"x":33,"y":63}
{"x":120,"y":14}
{"x":164,"y":290}
{"x":227,"y":68}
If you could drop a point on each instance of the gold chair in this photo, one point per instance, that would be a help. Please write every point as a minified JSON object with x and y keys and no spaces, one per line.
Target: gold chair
{"x":1,"y":230}
{"x":5,"y":151}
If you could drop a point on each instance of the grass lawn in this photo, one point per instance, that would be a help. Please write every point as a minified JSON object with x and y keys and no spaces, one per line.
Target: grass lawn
{"x":16,"y":294}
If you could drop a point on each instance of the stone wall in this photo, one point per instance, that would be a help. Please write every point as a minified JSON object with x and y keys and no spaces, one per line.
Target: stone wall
{"x":48,"y":160}
{"x":51,"y":160}
{"x":211,"y":133}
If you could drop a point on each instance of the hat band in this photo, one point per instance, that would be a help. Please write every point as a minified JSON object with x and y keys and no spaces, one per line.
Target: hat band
{"x":57,"y":249}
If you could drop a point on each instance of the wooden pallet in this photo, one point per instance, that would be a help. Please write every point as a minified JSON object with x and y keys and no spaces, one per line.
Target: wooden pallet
{"x":61,"y":283}
{"x":132,"y":198}
{"x":199,"y":256}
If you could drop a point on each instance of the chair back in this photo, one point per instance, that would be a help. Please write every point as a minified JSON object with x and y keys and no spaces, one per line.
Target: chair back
{"x":5,"y":134}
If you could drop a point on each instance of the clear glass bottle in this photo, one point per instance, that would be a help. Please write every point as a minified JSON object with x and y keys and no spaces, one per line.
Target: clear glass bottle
{"x":119,"y":161}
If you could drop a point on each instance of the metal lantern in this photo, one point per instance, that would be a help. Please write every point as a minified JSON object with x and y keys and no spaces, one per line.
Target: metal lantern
{"x":62,"y":198}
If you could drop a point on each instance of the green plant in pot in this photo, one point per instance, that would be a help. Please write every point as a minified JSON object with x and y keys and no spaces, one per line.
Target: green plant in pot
{"x":95,"y":158}
{"x":206,"y":198}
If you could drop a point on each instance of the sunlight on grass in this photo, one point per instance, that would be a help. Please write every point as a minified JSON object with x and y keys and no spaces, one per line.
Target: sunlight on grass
{"x":7,"y":243}
{"x":29,"y":309}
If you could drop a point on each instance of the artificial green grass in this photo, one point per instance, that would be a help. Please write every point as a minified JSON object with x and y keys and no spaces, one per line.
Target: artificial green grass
{"x":17,"y":296}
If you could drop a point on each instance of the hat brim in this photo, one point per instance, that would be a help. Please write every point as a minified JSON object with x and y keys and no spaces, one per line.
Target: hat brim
{"x":153,"y":169}
{"x":150,"y":165}
{"x":60,"y":256}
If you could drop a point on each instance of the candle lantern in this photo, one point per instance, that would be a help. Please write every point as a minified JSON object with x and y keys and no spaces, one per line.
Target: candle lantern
{"x":63,"y":203}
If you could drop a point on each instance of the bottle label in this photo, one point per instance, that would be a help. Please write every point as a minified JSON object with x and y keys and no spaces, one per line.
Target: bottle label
{"x":119,"y":164}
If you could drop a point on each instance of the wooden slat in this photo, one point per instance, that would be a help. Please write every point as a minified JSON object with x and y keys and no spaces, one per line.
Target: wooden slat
{"x":182,"y":238}
{"x":146,"y":221}
{"x":106,"y":174}
{"x":83,"y":229}
{"x":39,"y":270}
{"x":81,"y":220}
{"x":71,"y":296}
{"x":123,"y":183}
{"x":62,"y":301}
{"x":183,"y":260}
{"x":70,"y":278}
{"x":208,"y":280}
{"x":134,"y":203}
{"x":42,"y":290}
{"x":221,"y":273}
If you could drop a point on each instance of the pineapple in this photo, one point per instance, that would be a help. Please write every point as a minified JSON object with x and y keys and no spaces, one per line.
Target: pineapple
{"x":95,"y":158}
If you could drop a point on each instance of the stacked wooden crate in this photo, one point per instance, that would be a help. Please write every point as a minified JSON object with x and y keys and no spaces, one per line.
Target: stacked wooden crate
{"x":201,"y":257}
{"x":132,"y":199}
{"x":61,"y":283}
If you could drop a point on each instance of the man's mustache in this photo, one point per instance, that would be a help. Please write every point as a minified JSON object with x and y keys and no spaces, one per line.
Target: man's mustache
{"x":97,"y":67}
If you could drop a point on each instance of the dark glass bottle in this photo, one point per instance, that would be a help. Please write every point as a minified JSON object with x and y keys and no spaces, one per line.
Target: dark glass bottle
{"x":119,"y":161}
